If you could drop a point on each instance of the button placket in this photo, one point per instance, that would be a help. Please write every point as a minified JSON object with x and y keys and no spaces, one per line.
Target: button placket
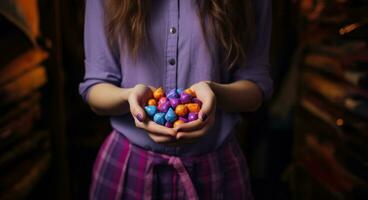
{"x":172,"y":45}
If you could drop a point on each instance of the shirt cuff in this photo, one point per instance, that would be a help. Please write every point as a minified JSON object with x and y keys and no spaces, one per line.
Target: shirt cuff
{"x":261,"y":78}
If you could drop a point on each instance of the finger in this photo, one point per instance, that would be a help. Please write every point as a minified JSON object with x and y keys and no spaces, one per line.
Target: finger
{"x":160,"y":138}
{"x":156,"y":129}
{"x":197,"y":133}
{"x":151,"y":126}
{"x":152,"y":88}
{"x":192,"y":134}
{"x":191,"y":126}
{"x":136,"y":109}
{"x":206,"y":110}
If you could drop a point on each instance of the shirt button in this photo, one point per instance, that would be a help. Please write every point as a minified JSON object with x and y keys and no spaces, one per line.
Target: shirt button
{"x":172,"y":30}
{"x":172,"y":61}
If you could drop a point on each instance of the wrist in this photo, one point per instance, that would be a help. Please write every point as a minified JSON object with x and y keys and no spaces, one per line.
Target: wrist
{"x":125,"y":93}
{"x":213,"y":86}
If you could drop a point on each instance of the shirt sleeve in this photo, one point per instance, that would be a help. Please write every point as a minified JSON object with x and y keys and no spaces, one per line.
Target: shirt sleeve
{"x":256,"y":67}
{"x":101,"y":61}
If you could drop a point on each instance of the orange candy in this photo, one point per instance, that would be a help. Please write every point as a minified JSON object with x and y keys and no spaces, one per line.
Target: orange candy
{"x":178,"y":122}
{"x":158,"y":93}
{"x":190,"y":91}
{"x":181,"y":110}
{"x":193,"y":107}
{"x":152,"y":102}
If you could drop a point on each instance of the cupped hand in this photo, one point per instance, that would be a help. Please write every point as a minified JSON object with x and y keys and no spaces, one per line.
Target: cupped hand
{"x":206,"y":116}
{"x":137,"y":99}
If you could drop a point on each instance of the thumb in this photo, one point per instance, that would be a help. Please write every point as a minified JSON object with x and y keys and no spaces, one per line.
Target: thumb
{"x":152,"y":88}
{"x":206,"y":109}
{"x":136,"y":109}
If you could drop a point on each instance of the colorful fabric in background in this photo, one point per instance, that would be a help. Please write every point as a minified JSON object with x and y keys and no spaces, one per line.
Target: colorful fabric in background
{"x":338,"y":72}
{"x":125,"y":171}
{"x":350,"y":98}
{"x":317,"y":10}
{"x":24,"y":14}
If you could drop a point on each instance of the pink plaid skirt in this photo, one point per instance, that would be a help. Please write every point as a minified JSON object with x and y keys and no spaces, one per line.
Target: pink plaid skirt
{"x":123,"y":170}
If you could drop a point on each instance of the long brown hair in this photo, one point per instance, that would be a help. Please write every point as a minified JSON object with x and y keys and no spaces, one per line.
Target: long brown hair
{"x":231,"y":21}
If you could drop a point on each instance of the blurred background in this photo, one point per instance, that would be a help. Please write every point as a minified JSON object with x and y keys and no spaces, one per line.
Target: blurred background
{"x":308,"y":142}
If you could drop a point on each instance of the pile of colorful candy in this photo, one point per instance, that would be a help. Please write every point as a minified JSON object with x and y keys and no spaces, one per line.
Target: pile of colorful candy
{"x":176,"y":107}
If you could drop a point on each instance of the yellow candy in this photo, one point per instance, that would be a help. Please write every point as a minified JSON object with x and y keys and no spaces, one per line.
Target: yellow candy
{"x":178,"y":122}
{"x":152,"y":102}
{"x":181,"y":110}
{"x":193,"y":107}
{"x":190,"y":91}
{"x":158,"y":93}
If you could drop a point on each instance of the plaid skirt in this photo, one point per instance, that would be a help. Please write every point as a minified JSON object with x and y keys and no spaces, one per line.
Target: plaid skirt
{"x":123,"y":170}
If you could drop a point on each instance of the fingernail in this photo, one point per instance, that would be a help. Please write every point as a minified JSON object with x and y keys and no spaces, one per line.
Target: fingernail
{"x":139,"y":117}
{"x":204,"y":117}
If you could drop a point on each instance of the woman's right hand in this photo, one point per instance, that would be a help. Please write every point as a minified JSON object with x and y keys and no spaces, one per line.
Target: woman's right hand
{"x":137,"y":99}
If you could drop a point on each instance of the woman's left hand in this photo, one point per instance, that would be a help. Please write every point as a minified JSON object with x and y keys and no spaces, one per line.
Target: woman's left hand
{"x":206,"y":116}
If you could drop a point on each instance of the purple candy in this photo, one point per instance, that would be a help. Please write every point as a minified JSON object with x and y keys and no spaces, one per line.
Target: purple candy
{"x":173,"y":94}
{"x":185,"y":98}
{"x":164,"y":107}
{"x":185,"y":120}
{"x":169,"y":124}
{"x":174,"y":102}
{"x":192,"y":116}
{"x":199,"y":102}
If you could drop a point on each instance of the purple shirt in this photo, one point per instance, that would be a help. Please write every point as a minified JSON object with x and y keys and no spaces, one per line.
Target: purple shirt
{"x":174,"y":59}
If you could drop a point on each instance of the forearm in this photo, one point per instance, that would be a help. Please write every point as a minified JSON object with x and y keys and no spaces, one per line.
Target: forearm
{"x":108,"y":99}
{"x":240,"y":96}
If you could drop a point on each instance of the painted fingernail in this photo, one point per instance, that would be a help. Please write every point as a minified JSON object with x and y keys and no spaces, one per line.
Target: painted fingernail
{"x":139,"y":117}
{"x":204,"y":117}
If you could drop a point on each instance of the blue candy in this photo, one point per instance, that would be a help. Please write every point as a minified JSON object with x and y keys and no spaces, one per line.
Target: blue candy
{"x":179,"y":90}
{"x":173,"y":94}
{"x":159,"y":118}
{"x":150,"y":110}
{"x":170,"y":115}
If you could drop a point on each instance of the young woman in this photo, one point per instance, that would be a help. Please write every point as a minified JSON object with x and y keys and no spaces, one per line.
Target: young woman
{"x":219,"y":49}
